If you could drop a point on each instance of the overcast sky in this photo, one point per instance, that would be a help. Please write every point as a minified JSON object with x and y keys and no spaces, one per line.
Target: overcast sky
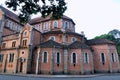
{"x":94,"y":17}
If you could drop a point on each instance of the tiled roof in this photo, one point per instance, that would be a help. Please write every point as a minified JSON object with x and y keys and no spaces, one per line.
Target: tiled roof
{"x":53,"y":32}
{"x":61,"y":32}
{"x":40,"y":19}
{"x":50,"y":44}
{"x":9,"y":14}
{"x":78,"y":44}
{"x":99,"y":41}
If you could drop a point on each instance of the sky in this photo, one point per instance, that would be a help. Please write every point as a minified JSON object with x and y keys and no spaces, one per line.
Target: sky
{"x":94,"y":17}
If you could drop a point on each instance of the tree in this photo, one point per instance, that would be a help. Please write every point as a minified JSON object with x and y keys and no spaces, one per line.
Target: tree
{"x":106,"y":36}
{"x":45,"y":7}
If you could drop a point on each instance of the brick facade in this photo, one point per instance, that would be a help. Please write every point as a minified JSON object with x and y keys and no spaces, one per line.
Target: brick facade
{"x":45,"y":46}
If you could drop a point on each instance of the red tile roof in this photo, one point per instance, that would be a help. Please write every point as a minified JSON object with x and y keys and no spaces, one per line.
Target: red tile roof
{"x":99,"y":41}
{"x":9,"y":14}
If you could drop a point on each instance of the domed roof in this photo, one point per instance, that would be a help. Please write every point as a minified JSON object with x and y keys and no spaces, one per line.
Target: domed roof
{"x":41,"y":19}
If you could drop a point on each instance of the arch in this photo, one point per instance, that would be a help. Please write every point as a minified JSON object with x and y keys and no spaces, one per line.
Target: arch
{"x":58,"y":57}
{"x":74,"y":58}
{"x":55,"y":24}
{"x":66,"y":25}
{"x":102,"y":58}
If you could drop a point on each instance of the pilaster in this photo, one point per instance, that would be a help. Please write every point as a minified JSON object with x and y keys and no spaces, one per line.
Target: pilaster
{"x":66,"y":61}
{"x":16,"y":61}
{"x":92,"y":59}
{"x":52,"y":61}
{"x":37,"y":62}
{"x":81,"y":60}
{"x":110,"y":61}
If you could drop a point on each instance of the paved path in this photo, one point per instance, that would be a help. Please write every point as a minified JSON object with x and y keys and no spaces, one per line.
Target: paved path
{"x":59,"y":77}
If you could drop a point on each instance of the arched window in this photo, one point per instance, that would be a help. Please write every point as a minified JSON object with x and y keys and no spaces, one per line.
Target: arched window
{"x":58,"y":58}
{"x":10,"y":24}
{"x":45,"y":26}
{"x":86,"y":58}
{"x":11,"y":57}
{"x":25,"y":33}
{"x":66,"y":25}
{"x":74,"y":58}
{"x":113,"y":57}
{"x":102,"y":58}
{"x":45,"y":57}
{"x":55,"y":24}
{"x":72,"y":28}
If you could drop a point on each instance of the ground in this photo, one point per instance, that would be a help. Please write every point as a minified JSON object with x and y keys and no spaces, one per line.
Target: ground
{"x":60,"y":77}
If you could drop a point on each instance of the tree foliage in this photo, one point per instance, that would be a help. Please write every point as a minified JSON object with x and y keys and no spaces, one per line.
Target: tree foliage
{"x":106,"y":36}
{"x":45,"y":7}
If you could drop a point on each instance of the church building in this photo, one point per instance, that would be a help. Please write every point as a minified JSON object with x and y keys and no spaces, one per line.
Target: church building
{"x":46,"y":46}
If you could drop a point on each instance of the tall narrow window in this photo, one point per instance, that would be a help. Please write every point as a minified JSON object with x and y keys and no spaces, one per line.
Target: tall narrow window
{"x":10,"y":24}
{"x":58,"y":58}
{"x":55,"y":24}
{"x":86,"y":57}
{"x":72,"y":27}
{"x":45,"y":26}
{"x":45,"y":57}
{"x":103,"y":58}
{"x":66,"y":25}
{"x":24,"y":43}
{"x":11,"y":58}
{"x":13,"y":43}
{"x":113,"y":57}
{"x":1,"y":57}
{"x":74,"y":58}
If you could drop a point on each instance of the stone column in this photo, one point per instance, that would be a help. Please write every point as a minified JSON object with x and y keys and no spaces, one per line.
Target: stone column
{"x":81,"y":60}
{"x":37,"y":62}
{"x":66,"y":61}
{"x":117,"y":60}
{"x":110,"y":61}
{"x":28,"y":60}
{"x":92,"y":59}
{"x":52,"y":61}
{"x":30,"y":50}
{"x":16,"y":61}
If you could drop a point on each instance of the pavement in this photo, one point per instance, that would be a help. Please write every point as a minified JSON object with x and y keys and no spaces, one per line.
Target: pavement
{"x":64,"y":76}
